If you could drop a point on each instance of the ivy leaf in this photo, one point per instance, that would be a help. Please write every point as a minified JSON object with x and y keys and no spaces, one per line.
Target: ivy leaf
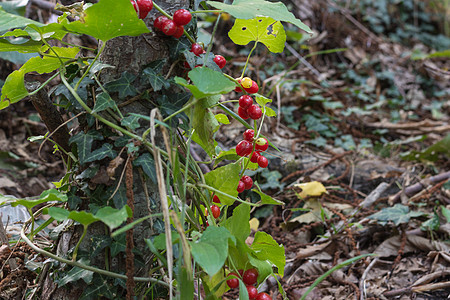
{"x":249,"y":9}
{"x":397,"y":214}
{"x":225,"y":179}
{"x":264,"y":30}
{"x":84,"y":143}
{"x":76,"y":274}
{"x":211,"y":250}
{"x":103,"y":101}
{"x":123,"y":85}
{"x":108,"y":19}
{"x":104,"y":151}
{"x":154,"y":79}
{"x":146,"y":162}
{"x":131,"y":121}
{"x":267,"y":249}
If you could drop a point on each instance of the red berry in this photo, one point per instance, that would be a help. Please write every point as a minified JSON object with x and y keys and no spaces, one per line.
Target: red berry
{"x":262,"y":162}
{"x":253,"y":89}
{"x":238,"y":88}
{"x":254,"y":112}
{"x":169,"y":27}
{"x":182,"y":17}
{"x":178,"y":32}
{"x":233,"y":282}
{"x":252,"y":292}
{"x":242,"y":112}
{"x":241,"y":272}
{"x":220,"y":61}
{"x":145,"y":6}
{"x":263,"y":296}
{"x":241,"y":187}
{"x":248,"y":135}
{"x":186,"y":65}
{"x":244,"y":148}
{"x":196,"y":49}
{"x":261,"y":144}
{"x":159,"y":21}
{"x":254,"y":158}
{"x":216,"y":199}
{"x":250,"y":276}
{"x":248,"y":181}
{"x":215,"y":211}
{"x":245,"y":101}
{"x":206,"y":223}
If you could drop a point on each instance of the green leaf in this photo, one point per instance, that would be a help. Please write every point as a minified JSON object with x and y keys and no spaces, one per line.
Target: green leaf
{"x":104,"y":151}
{"x":207,"y":82}
{"x":83,"y":217}
{"x":211,"y":250}
{"x":84,"y":143}
{"x":58,"y":213}
{"x":52,"y":30}
{"x":113,"y":217}
{"x":108,"y":19}
{"x":16,"y":7}
{"x":267,"y":249}
{"x":397,"y":214}
{"x":222,"y":118}
{"x":431,"y":153}
{"x":446,"y":213}
{"x":76,"y":274}
{"x":266,"y":199}
{"x":14,"y":88}
{"x":27,"y":47}
{"x":123,"y":85}
{"x":225,"y":179}
{"x":46,"y":196}
{"x":269,"y":112}
{"x":205,"y":126}
{"x":131,"y":121}
{"x":243,"y":293}
{"x":238,"y":224}
{"x":156,"y":80}
{"x":264,"y":30}
{"x":146,"y":162}
{"x":103,"y":102}
{"x":249,"y":9}
{"x":9,"y":21}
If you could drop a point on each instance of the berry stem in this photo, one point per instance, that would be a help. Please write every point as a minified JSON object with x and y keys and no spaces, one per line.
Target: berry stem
{"x":222,"y":193}
{"x":248,"y":58}
{"x":207,"y":11}
{"x":208,"y":50}
{"x":90,"y":66}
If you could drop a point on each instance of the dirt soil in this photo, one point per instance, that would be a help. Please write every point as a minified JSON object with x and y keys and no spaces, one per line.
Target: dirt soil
{"x":358,"y":161}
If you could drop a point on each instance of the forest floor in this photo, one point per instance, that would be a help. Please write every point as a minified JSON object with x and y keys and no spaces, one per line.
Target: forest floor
{"x":363,"y":115}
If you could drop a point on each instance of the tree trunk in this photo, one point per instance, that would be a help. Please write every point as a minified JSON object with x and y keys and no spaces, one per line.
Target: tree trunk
{"x":129,"y":54}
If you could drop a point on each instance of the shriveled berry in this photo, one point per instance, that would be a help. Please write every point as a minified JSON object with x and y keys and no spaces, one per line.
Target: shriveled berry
{"x":254,"y":158}
{"x":245,"y":101}
{"x":216,"y":199}
{"x":246,"y":82}
{"x":250,"y":276}
{"x":169,"y":27}
{"x":159,"y":21}
{"x":240,"y":187}
{"x":261,"y":144}
{"x":254,"y":112}
{"x":220,"y":61}
{"x":253,"y":89}
{"x":248,"y":181}
{"x":243,"y":148}
{"x":179,"y":32}
{"x":242,"y":112}
{"x":262,"y":162}
{"x":252,"y":292}
{"x":215,"y":211}
{"x":197,"y":49}
{"x":263,"y":296}
{"x":248,"y":135}
{"x":182,"y":17}
{"x":233,"y":282}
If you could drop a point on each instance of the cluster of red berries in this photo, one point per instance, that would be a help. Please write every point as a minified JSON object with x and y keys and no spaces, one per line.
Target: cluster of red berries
{"x":249,"y":277}
{"x":197,"y":49}
{"x":245,"y":148}
{"x":248,"y":85}
{"x":174,"y":27}
{"x":247,"y":109}
{"x":245,"y":183}
{"x":142,"y":7}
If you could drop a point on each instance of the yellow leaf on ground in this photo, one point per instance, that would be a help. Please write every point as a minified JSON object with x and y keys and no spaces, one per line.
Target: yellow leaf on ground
{"x":313,"y":188}
{"x":254,"y":224}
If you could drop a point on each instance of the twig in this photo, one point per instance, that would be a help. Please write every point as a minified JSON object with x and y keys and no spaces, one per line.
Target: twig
{"x":421,"y":185}
{"x":362,"y":282}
